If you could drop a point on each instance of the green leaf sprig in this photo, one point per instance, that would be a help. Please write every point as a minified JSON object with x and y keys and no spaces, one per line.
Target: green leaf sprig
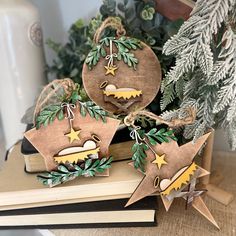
{"x":94,"y":111}
{"x":160,"y":136}
{"x":67,"y":173}
{"x":48,"y":115}
{"x":123,"y":44}
{"x":95,"y":54}
{"x":51,"y":112}
{"x":152,"y":137}
{"x":139,"y":155}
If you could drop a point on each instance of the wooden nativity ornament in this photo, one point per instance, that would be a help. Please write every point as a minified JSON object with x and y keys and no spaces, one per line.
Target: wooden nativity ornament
{"x":121,"y":74}
{"x":171,"y":171}
{"x":76,"y":145}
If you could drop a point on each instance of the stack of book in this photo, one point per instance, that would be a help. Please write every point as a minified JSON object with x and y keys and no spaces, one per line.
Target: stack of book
{"x":83,"y":202}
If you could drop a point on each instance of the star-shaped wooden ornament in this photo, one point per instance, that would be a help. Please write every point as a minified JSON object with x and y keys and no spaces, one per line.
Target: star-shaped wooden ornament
{"x":167,"y":179}
{"x":57,"y":140}
{"x":159,"y":160}
{"x":73,"y":135}
{"x":110,"y":70}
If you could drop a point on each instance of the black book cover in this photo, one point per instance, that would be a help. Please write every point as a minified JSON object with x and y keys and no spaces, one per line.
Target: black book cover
{"x":148,"y":203}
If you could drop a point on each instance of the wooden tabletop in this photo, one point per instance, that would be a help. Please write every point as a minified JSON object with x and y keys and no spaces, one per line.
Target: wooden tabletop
{"x":181,"y":222}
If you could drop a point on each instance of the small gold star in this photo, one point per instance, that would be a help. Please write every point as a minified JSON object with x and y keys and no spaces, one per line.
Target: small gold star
{"x":160,"y":160}
{"x":110,"y":70}
{"x":73,"y":135}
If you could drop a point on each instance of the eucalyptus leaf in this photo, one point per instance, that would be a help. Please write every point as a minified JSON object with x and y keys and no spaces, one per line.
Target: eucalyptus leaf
{"x":74,"y":72}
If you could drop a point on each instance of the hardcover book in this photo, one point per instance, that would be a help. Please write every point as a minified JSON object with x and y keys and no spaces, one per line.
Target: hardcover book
{"x":110,"y":213}
{"x":19,"y":189}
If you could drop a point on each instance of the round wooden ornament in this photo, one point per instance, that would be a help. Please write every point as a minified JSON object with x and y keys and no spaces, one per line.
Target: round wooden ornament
{"x":121,"y":74}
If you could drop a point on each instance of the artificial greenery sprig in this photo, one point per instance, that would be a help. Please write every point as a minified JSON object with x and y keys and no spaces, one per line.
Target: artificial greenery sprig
{"x":95,"y":54}
{"x":123,"y":45}
{"x":51,"y":112}
{"x":160,"y":136}
{"x":67,"y":173}
{"x":144,"y":140}
{"x":139,"y":155}
{"x":94,"y":111}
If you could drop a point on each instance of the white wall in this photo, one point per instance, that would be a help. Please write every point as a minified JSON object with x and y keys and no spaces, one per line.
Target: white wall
{"x":58,"y":15}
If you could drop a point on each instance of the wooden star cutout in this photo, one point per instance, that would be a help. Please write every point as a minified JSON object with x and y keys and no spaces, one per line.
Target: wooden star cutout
{"x":73,"y":135}
{"x":196,"y":199}
{"x":110,"y":70}
{"x":177,"y":157}
{"x":51,"y":139}
{"x":160,"y":160}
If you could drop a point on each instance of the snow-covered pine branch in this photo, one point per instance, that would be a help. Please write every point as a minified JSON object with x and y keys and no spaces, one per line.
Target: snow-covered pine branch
{"x":227,"y":92}
{"x":205,"y":69}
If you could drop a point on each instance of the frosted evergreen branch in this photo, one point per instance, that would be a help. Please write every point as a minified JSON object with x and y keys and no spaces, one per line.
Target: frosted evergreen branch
{"x":169,"y":115}
{"x":231,"y":113}
{"x":219,"y":72}
{"x":226,"y":94}
{"x":226,"y":58}
{"x":232,"y":17}
{"x":217,"y":13}
{"x":205,"y":58}
{"x":179,"y":87}
{"x":204,"y":75}
{"x":176,"y":45}
{"x":184,"y":32}
{"x":168,"y":96}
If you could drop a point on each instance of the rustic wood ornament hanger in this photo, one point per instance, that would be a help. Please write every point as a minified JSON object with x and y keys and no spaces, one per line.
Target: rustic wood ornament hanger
{"x":121,"y":74}
{"x":74,"y":136}
{"x":51,"y":140}
{"x":170,"y":169}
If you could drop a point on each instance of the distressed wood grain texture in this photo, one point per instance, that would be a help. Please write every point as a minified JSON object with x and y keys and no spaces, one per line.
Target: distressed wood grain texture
{"x":146,"y":78}
{"x":54,"y":134}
